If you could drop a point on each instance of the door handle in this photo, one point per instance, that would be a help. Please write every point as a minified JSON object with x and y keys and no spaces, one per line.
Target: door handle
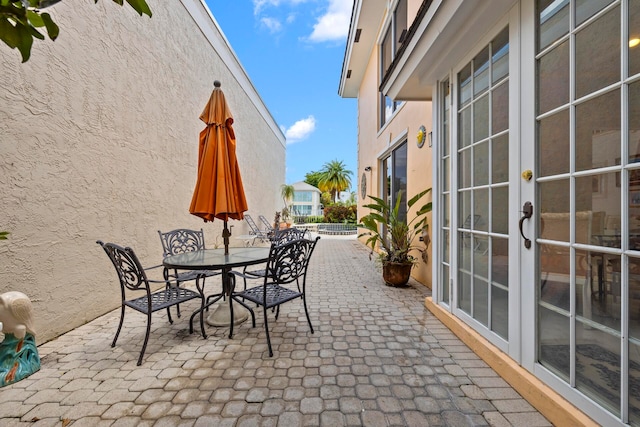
{"x":527,"y":212}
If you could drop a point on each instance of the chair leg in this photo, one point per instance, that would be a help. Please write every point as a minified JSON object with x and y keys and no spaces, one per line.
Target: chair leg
{"x":146,"y":339}
{"x":166,"y":277}
{"x":230,"y":317}
{"x":253,"y":315}
{"x":201,"y":311}
{"x":178,"y":305}
{"x":204,"y":335}
{"x":169,"y":315}
{"x":113,"y":344}
{"x":266,"y":328}
{"x":232,"y":286}
{"x":304,"y":302}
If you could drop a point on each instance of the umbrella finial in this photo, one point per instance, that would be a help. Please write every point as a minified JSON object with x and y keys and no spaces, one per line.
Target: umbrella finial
{"x":216,"y":83}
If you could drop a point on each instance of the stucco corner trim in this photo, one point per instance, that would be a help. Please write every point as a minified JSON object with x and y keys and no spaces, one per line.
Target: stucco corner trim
{"x":550,"y":404}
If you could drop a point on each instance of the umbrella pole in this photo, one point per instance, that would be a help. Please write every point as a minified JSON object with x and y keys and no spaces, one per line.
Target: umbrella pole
{"x":225,"y":238}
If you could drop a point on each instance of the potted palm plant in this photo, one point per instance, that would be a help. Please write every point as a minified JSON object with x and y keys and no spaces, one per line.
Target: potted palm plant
{"x":287,"y":192}
{"x":394,"y":237}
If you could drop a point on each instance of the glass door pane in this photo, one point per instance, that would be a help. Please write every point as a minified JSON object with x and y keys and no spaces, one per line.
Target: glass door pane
{"x":588,"y":202}
{"x":482,"y":155}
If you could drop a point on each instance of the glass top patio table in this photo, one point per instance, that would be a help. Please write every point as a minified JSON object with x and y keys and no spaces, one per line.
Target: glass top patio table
{"x":215,"y":259}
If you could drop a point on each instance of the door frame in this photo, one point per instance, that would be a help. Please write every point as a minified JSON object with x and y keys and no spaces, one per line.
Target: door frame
{"x":517,"y":299}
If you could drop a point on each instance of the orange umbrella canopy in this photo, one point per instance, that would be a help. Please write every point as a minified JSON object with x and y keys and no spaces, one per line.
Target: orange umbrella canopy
{"x":219,"y":192}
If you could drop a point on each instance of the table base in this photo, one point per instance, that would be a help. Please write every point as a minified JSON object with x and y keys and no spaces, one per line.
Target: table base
{"x":221,"y":315}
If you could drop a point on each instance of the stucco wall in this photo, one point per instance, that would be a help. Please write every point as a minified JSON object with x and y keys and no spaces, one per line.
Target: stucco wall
{"x":374,"y":143}
{"x":99,"y":140}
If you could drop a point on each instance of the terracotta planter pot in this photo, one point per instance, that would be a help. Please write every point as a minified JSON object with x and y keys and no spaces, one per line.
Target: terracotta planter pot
{"x":396,"y":274}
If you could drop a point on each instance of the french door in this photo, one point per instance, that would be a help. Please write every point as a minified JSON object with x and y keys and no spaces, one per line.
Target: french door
{"x":539,"y":194}
{"x":477,"y":263}
{"x":588,"y":200}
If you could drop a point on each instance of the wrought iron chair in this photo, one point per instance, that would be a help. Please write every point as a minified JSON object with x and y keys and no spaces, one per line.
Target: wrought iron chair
{"x":133,"y":280}
{"x":279,"y":237}
{"x":259,"y":234}
{"x":288,"y":263}
{"x":183,"y":240}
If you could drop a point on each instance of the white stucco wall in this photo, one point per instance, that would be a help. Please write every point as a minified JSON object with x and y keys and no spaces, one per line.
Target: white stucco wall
{"x":99,"y":140}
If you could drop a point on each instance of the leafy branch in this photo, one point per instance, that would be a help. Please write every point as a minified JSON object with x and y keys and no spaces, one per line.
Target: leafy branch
{"x":21,"y":19}
{"x":392,"y":234}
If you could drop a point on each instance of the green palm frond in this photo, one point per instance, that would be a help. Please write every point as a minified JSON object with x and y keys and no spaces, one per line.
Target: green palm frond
{"x":397,"y":243}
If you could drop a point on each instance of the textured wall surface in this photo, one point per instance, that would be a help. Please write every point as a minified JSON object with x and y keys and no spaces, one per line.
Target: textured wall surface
{"x":99,"y":140}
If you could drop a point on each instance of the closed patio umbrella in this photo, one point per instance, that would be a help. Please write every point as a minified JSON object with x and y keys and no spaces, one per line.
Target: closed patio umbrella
{"x":219,"y":192}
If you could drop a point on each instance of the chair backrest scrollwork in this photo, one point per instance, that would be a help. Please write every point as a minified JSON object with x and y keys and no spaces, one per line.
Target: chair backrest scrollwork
{"x":288,"y":262}
{"x":127,"y":265}
{"x":286,"y":235}
{"x":181,"y":240}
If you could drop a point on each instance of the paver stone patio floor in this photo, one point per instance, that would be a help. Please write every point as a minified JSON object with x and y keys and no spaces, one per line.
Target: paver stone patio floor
{"x":378,"y":358}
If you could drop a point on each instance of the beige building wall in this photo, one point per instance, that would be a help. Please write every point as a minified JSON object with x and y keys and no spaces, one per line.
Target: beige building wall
{"x":99,"y":140}
{"x":374,"y":143}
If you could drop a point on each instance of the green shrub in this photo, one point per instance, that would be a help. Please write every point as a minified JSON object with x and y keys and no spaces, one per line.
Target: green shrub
{"x":308,"y":219}
{"x":338,"y":214}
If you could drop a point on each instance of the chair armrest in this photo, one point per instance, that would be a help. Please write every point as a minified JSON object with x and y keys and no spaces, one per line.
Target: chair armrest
{"x":156,"y":277}
{"x":171,"y":282}
{"x":247,"y":274}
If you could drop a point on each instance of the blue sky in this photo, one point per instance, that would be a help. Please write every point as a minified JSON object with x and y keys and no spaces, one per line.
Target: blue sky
{"x":292,"y":51}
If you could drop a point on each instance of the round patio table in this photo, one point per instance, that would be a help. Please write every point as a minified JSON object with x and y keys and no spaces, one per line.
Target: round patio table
{"x":216,"y":259}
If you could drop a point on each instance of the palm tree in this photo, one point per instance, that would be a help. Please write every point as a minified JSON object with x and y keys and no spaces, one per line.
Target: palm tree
{"x":286,"y":191}
{"x":334,"y":178}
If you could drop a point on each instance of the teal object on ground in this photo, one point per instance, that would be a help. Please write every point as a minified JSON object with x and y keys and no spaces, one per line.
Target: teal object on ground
{"x":18,"y":358}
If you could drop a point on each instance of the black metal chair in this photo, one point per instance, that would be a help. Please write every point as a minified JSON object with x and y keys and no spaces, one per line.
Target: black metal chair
{"x":288,"y":263}
{"x":279,"y":237}
{"x":183,"y":240}
{"x":133,"y":279}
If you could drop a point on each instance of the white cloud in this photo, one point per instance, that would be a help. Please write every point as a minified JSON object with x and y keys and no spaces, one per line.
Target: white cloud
{"x":300,"y":130}
{"x":259,"y":5}
{"x":272,"y":24}
{"x":334,"y":24}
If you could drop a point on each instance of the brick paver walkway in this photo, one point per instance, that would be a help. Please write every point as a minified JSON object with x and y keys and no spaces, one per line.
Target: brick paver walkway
{"x":378,"y":358}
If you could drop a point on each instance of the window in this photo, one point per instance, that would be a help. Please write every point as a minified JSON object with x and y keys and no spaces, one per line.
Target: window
{"x":395,"y":178}
{"x":302,"y":210}
{"x":302,"y":196}
{"x":391,"y":42}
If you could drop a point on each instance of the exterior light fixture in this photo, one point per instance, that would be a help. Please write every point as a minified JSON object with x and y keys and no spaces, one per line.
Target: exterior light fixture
{"x":634,"y":42}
